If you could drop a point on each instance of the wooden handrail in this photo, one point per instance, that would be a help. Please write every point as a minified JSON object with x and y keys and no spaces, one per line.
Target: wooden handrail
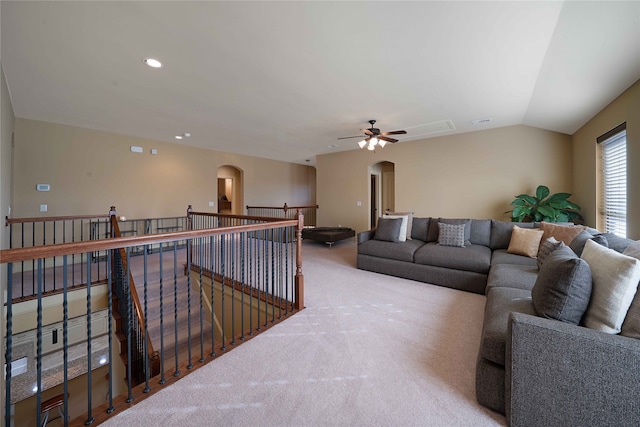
{"x":9,"y":221}
{"x":285,"y":207}
{"x":24,"y":254}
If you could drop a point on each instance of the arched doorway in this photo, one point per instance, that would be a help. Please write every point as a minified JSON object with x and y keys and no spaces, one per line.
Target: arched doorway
{"x":382,"y":197}
{"x":230,"y":190}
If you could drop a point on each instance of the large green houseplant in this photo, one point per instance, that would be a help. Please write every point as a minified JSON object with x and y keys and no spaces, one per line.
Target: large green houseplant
{"x":542,"y":207}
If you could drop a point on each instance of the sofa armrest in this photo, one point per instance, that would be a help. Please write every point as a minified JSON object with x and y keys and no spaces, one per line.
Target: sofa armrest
{"x":562,"y":374}
{"x":363,"y":236}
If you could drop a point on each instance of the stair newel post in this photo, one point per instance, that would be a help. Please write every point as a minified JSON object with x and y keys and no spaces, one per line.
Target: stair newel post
{"x":112,"y":219}
{"x":299,"y":280}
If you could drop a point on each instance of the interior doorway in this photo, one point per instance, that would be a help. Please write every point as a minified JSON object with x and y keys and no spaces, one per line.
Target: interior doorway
{"x":381,"y":191}
{"x":230,"y":190}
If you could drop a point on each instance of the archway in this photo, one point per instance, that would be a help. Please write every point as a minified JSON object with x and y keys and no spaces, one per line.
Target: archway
{"x":382,"y":197}
{"x":230,"y":190}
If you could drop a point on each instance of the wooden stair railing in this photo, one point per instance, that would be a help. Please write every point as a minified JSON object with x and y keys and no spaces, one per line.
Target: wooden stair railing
{"x":120,"y":288}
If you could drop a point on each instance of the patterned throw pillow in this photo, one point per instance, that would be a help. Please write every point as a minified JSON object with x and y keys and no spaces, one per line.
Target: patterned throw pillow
{"x":451,"y":234}
{"x":546,"y":247}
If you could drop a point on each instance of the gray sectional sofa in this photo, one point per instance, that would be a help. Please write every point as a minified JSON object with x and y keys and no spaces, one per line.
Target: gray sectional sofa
{"x":535,"y":370}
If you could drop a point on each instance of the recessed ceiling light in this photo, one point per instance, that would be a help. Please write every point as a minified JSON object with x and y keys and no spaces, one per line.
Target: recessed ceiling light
{"x":182,"y":136}
{"x":333,"y":146}
{"x":178,"y":136}
{"x":153,"y":63}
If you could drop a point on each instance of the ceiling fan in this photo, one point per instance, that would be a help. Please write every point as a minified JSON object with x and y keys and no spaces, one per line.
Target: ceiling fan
{"x":374,"y":137}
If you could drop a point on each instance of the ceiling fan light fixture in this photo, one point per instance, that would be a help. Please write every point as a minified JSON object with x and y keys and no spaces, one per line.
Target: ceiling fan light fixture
{"x":382,"y":143}
{"x":362,"y":143}
{"x":373,"y":141}
{"x":371,"y":146}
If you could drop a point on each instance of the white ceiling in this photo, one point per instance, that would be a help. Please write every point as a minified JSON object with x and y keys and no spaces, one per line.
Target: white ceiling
{"x":284,"y":80}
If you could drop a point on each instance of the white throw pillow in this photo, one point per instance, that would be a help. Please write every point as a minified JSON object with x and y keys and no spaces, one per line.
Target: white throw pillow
{"x":631,"y":324}
{"x":403,"y":228}
{"x":615,"y":281}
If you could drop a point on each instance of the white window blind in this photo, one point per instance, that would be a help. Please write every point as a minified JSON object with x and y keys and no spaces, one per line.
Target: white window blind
{"x":614,"y":181}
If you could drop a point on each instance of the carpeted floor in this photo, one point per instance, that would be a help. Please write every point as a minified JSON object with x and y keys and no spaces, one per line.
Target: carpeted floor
{"x":368,"y":350}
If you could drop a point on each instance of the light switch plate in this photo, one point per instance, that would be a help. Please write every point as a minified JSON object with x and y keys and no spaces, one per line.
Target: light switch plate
{"x":43,"y":208}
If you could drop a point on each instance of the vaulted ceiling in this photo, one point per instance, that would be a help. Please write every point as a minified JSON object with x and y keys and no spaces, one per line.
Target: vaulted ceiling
{"x":284,"y":80}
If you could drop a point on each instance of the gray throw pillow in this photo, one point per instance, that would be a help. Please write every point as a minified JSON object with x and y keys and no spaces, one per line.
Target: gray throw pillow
{"x":563,"y":288}
{"x":546,"y":247}
{"x":451,"y":234}
{"x":578,"y":242}
{"x":388,"y":229}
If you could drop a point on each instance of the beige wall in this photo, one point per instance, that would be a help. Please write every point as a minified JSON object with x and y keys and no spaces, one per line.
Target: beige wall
{"x":625,"y":108}
{"x":6,"y":172}
{"x":90,"y":170}
{"x":470,"y":175}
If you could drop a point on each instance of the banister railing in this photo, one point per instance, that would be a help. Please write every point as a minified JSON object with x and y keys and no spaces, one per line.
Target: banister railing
{"x":135,"y":342}
{"x":244,"y":303}
{"x":51,"y":230}
{"x":286,"y":212}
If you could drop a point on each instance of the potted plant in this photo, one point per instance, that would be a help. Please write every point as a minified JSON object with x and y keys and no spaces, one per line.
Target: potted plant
{"x":543,"y":207}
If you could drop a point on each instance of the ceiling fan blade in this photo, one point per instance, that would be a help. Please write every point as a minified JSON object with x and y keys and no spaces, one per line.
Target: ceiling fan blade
{"x":384,"y":138}
{"x":347,"y":137}
{"x":367,"y":131}
{"x":394,"y":132}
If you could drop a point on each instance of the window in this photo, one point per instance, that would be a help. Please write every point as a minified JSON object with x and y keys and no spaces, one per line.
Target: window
{"x":614,"y":180}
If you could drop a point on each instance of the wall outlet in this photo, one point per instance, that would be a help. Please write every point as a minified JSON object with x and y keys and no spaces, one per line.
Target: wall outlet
{"x":212,"y":204}
{"x":43,"y":208}
{"x":358,"y":203}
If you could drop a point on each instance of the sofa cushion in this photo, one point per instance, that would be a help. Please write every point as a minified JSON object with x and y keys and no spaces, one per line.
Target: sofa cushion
{"x":403,"y":228}
{"x":432,"y":235}
{"x":500,"y":303}
{"x":501,"y":232}
{"x":451,"y":234}
{"x":480,"y":232}
{"x":615,"y":282}
{"x":512,"y":276}
{"x":524,"y":241}
{"x":388,"y":229}
{"x":631,"y":324}
{"x":563,"y":287}
{"x":476,"y":258}
{"x":399,"y":251}
{"x":578,"y":242}
{"x":617,"y":243}
{"x":546,"y":247}
{"x":563,"y":233}
{"x":501,"y":256}
{"x":420,"y":228}
{"x":409,"y":224}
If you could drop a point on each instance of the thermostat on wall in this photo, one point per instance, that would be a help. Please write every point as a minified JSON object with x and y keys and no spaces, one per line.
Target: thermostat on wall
{"x":43,"y":187}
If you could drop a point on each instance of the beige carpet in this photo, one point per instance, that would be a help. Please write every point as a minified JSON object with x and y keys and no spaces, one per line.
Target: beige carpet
{"x":368,"y":350}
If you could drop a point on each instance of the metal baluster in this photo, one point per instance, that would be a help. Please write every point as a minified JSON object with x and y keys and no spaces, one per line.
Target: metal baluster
{"x":162,"y":378}
{"x":65,"y":339}
{"x":73,"y":255}
{"x":242,"y":280}
{"x":190,"y":364}
{"x":33,"y":261}
{"x":232,"y":257}
{"x":145,"y":346}
{"x":8,"y":355}
{"x":222,"y":271}
{"x":251,"y":284}
{"x":110,"y":328}
{"x":213,"y":275}
{"x":175,"y":305}
{"x":127,"y":290}
{"x":200,"y":248}
{"x":89,"y":338}
{"x":54,"y":258}
{"x":273,"y":278}
{"x":39,"y":345}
